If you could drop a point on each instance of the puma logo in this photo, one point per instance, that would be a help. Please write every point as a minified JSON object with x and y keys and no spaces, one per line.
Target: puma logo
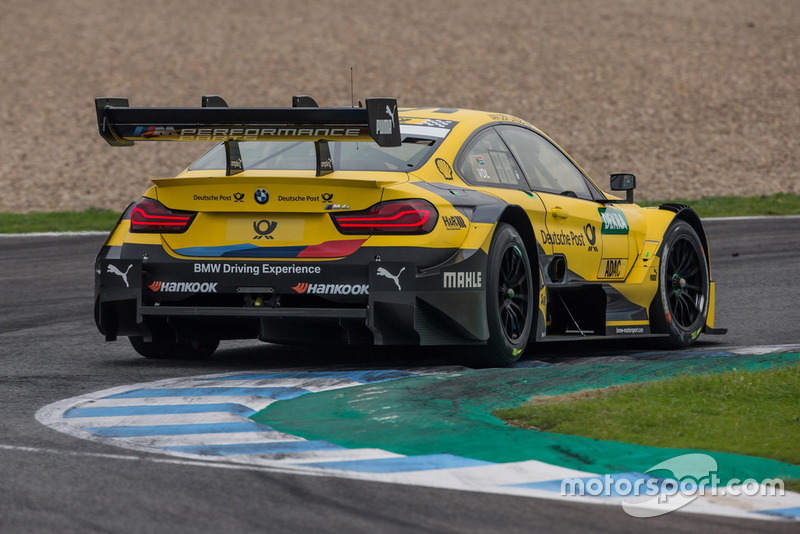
{"x":396,"y":278}
{"x":390,"y":112}
{"x":113,"y":270}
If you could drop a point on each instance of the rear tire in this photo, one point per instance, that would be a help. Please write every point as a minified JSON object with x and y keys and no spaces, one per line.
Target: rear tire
{"x":680,"y":307}
{"x":510,"y":296}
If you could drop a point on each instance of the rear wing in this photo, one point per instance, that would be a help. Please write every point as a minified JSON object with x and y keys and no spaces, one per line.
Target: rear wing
{"x":122,"y":125}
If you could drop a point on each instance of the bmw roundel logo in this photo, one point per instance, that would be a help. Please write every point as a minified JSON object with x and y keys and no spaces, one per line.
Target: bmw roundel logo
{"x":262,"y":197}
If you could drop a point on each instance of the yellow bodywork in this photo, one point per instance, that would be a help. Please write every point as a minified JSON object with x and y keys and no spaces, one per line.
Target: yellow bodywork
{"x":624,"y":257}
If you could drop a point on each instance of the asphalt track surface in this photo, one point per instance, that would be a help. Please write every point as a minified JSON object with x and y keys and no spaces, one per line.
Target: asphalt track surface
{"x":50,"y":350}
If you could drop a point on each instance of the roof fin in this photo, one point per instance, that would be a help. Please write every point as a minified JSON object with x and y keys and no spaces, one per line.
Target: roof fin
{"x":304,"y":101}
{"x":214,"y":101}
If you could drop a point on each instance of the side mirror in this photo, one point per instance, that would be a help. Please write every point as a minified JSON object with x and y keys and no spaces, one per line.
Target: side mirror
{"x":624,"y":182}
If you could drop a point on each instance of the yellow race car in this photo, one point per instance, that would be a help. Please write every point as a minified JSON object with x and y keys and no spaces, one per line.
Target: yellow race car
{"x":387,"y":226}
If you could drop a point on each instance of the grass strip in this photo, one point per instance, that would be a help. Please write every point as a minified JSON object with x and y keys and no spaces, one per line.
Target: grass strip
{"x":91,"y":219}
{"x":730,"y":206}
{"x":754,"y":413}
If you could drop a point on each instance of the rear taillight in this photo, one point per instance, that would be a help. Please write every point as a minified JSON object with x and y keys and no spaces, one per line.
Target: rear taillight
{"x":152,"y":217}
{"x":395,"y":217}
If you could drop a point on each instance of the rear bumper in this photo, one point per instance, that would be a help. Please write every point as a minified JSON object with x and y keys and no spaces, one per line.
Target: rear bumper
{"x":357,"y":300}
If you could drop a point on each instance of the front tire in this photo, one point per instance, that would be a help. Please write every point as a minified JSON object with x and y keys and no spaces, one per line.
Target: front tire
{"x":510,"y":296}
{"x":680,"y":307}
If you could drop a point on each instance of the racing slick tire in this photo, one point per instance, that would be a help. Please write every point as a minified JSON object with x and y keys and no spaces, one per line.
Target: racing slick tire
{"x":164,"y":346}
{"x":510,"y":298}
{"x":680,"y":307}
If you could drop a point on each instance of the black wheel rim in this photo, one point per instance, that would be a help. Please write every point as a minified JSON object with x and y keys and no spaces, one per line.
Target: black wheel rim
{"x":685,"y":283}
{"x":513,"y":294}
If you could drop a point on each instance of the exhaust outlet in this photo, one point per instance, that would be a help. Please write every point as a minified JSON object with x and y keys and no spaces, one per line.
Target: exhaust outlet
{"x":557,"y":270}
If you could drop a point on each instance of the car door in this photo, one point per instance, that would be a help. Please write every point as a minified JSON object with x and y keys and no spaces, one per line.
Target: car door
{"x":488,"y":165}
{"x":593,"y":237}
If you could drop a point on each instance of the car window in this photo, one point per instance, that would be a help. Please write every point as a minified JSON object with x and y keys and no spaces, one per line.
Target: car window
{"x":487,"y":161}
{"x":300,"y":155}
{"x":546,"y":167}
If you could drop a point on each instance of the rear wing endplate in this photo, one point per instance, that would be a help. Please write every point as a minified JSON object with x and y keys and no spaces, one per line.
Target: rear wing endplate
{"x":122,"y":125}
